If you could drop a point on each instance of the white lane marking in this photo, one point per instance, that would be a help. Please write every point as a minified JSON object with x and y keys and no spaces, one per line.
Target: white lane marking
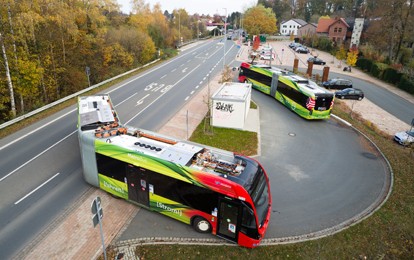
{"x":126,"y":99}
{"x":163,"y":76}
{"x":197,"y":86}
{"x":73,"y":110}
{"x":192,"y":92}
{"x":38,"y":187}
{"x":173,"y":70}
{"x":37,"y":129}
{"x":139,"y":102}
{"x":186,"y":98}
{"x":142,"y":110}
{"x":37,"y":156}
{"x":184,"y":70}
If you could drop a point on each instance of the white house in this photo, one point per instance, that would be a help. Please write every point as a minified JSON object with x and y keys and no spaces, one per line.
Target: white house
{"x":291,"y":26}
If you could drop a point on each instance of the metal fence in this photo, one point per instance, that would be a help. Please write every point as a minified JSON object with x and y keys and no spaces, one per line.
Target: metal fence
{"x":57,"y":102}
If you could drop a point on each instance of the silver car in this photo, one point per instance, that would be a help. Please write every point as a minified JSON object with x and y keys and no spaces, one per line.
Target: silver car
{"x":405,"y":138}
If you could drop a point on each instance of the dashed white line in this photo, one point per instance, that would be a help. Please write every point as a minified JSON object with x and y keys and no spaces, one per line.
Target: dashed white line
{"x":163,"y":76}
{"x":38,"y":187}
{"x":173,"y":70}
{"x":192,"y":92}
{"x":186,"y":98}
{"x":197,"y":86}
{"x":201,"y":82}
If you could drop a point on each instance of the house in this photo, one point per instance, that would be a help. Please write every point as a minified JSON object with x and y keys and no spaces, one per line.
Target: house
{"x":307,"y":30}
{"x":333,"y":28}
{"x":291,"y":26}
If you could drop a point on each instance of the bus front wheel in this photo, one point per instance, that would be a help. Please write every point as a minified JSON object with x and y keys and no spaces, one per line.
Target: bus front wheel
{"x":201,"y":225}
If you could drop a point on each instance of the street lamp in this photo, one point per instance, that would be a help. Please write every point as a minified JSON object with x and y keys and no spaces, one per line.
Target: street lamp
{"x":224,"y":40}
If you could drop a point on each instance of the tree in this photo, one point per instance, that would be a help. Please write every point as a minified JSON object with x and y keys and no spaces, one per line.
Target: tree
{"x":260,"y":20}
{"x":341,"y":54}
{"x":352,"y":57}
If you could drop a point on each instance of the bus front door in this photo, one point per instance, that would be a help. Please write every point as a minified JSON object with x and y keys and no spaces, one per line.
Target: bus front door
{"x":228,"y":220}
{"x":137,"y":185}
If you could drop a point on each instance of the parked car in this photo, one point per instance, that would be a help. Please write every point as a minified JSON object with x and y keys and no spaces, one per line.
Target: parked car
{"x":316,"y":61}
{"x":266,"y":57}
{"x":294,"y":45}
{"x":405,"y":138}
{"x":302,"y":49}
{"x":350,"y":93}
{"x":337,"y":83}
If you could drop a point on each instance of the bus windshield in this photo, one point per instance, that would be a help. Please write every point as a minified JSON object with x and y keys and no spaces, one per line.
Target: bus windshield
{"x":260,"y":195}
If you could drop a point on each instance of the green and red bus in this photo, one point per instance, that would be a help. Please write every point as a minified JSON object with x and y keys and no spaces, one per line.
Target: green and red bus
{"x":299,"y":94}
{"x":214,"y":190}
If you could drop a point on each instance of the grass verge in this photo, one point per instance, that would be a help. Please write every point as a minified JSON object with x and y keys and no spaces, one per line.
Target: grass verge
{"x":243,"y":142}
{"x":387,"y":234}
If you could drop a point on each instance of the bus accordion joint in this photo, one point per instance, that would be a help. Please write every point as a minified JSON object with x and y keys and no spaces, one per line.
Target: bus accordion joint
{"x":206,"y":187}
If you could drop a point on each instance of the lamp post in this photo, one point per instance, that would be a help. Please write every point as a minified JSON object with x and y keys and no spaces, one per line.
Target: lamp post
{"x":224,"y":39}
{"x":179,"y":28}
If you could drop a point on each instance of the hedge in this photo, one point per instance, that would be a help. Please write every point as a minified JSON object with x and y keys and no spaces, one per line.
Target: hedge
{"x":377,"y":69}
{"x":406,"y":84}
{"x":364,"y":64}
{"x":391,"y":75}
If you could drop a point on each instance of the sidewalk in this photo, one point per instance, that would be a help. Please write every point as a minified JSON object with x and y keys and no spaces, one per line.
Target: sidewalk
{"x":385,"y":122}
{"x":74,"y":236}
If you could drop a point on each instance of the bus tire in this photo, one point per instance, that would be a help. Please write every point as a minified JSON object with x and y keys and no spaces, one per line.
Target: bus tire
{"x":201,"y":225}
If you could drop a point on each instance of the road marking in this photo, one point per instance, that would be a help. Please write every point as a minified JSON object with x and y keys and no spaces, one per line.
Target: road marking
{"x":38,"y":187}
{"x":142,"y":110}
{"x":35,"y":130}
{"x":139,"y":102}
{"x":184,"y":70}
{"x":186,"y":98}
{"x":197,"y":86}
{"x":192,"y":92}
{"x":126,"y":99}
{"x":163,"y":76}
{"x":73,"y":110}
{"x":37,"y":156}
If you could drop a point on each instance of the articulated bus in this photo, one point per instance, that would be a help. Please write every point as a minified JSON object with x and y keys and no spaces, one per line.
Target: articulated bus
{"x":299,"y":94}
{"x":213,"y":190}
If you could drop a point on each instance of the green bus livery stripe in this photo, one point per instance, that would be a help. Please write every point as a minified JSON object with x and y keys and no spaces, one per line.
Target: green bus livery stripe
{"x":169,"y":208}
{"x":113,"y":186}
{"x":148,"y":162}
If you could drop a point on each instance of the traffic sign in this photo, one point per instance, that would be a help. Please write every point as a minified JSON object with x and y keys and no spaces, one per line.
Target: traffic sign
{"x":96,"y":205}
{"x":96,"y":218}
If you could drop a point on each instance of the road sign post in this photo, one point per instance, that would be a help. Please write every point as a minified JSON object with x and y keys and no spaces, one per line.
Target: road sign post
{"x":97,"y":215}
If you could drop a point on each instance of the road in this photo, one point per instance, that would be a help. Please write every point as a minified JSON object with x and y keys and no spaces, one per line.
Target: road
{"x":41,"y":168}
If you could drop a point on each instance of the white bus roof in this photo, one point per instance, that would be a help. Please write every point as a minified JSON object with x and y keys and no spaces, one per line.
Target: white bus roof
{"x":107,"y":128}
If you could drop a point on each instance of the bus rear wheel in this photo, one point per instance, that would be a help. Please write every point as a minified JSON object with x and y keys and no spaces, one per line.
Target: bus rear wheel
{"x":201,"y":225}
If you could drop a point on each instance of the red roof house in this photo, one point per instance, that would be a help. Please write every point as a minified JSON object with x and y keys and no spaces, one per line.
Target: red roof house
{"x":334,"y":28}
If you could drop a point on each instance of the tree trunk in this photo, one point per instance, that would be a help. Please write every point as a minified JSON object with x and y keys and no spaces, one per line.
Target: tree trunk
{"x":9,"y":81}
{"x":403,"y":29}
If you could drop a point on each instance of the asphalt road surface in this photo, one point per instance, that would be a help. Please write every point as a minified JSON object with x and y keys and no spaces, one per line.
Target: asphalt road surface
{"x":40,"y":169}
{"x":314,"y":172}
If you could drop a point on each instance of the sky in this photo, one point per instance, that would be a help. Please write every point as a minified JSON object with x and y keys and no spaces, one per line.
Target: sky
{"x":197,"y":6}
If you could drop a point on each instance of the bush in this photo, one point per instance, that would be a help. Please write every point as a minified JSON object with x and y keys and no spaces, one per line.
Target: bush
{"x":377,"y":69}
{"x":391,"y":75}
{"x":406,"y":84}
{"x":364,"y":64}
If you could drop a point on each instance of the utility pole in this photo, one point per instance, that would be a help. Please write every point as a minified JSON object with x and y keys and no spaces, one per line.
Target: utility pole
{"x":224,"y":40}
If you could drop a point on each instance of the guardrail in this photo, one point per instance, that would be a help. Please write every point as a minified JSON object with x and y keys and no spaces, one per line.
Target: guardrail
{"x":34,"y":112}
